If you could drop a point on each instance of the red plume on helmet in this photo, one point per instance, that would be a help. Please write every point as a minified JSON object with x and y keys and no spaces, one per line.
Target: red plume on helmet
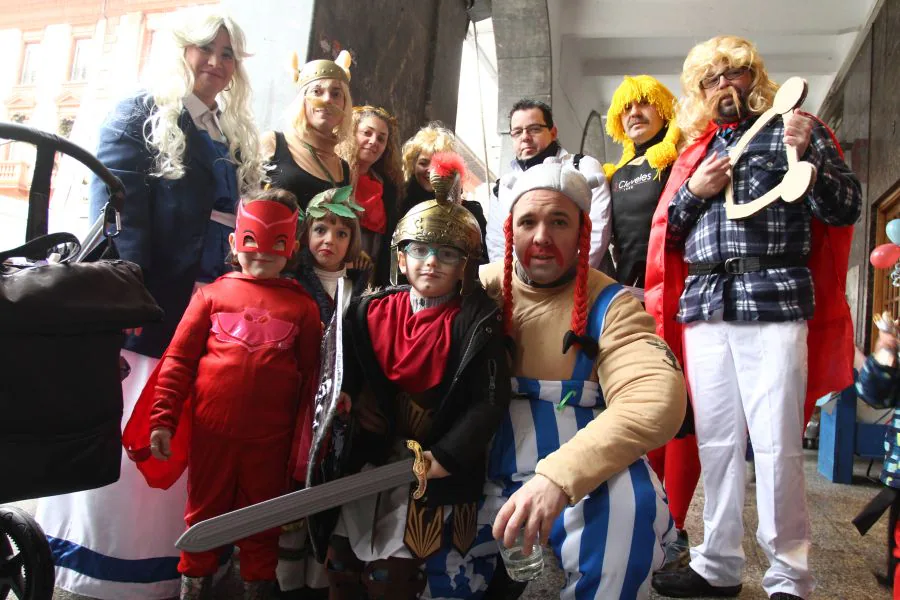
{"x":445,"y":164}
{"x":446,"y":171}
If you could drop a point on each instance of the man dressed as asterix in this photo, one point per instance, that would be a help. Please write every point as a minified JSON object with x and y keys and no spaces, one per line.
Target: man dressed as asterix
{"x":594,"y":390}
{"x":742,"y":285}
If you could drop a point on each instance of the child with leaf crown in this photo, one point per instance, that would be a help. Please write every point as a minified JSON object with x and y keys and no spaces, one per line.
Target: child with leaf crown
{"x":331,"y":242}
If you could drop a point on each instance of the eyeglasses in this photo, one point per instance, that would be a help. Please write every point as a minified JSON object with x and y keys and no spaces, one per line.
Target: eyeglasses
{"x":708,"y":83}
{"x":445,"y":254}
{"x":531,"y":129}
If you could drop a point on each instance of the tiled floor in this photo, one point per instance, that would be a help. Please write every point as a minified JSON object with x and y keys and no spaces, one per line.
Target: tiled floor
{"x":843,"y":562}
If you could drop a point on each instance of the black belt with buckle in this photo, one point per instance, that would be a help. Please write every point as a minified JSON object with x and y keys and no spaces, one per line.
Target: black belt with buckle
{"x":746,"y":264}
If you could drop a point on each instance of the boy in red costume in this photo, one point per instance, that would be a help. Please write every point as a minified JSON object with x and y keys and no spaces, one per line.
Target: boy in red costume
{"x":229,"y":390}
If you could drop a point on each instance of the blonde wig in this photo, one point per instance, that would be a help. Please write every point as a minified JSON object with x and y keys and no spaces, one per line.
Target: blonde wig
{"x":174,"y":80}
{"x":389,"y":166}
{"x":432,"y":138}
{"x":713,"y":56}
{"x":297,"y":113}
{"x":647,"y":89}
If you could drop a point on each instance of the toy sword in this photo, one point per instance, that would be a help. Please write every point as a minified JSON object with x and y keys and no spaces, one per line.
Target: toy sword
{"x":238,"y":524}
{"x":330,"y":380}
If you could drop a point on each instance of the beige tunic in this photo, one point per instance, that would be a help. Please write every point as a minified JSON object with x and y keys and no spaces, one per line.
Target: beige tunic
{"x":643,"y":385}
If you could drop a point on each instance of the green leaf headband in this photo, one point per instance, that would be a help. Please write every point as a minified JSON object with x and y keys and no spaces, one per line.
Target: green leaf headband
{"x":337,"y":201}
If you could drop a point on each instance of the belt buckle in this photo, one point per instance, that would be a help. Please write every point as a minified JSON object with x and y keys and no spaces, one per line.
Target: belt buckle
{"x":734,"y":266}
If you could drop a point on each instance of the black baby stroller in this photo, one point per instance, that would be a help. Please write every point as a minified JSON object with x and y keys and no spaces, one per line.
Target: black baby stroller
{"x":62,"y":312}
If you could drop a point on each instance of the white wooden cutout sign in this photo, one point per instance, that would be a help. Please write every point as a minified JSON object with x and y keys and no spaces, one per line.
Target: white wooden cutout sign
{"x":800,"y":174}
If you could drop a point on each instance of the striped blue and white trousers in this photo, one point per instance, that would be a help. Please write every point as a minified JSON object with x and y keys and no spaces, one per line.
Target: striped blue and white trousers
{"x":610,"y":543}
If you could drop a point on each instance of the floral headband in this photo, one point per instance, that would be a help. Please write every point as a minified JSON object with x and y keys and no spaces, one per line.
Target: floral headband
{"x":338,"y":201}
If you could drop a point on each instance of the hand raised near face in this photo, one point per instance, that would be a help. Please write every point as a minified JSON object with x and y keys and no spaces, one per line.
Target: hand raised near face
{"x":798,"y":131}
{"x":711,"y":177}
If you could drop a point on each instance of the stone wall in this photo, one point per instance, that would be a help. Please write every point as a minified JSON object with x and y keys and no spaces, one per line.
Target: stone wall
{"x":524,"y":60}
{"x":854,"y":136}
{"x":869,"y":130}
{"x":406,"y":54}
{"x":884,"y":163}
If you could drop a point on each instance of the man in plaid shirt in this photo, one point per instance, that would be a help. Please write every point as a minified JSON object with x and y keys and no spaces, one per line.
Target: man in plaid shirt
{"x":746,"y":300}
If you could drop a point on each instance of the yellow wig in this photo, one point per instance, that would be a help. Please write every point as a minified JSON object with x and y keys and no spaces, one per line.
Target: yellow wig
{"x":711,"y":57}
{"x":637,"y":89}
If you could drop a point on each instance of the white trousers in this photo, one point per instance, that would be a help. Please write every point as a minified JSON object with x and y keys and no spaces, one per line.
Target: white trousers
{"x":751,"y":375}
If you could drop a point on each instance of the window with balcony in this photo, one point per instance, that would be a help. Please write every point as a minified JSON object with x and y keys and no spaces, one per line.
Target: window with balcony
{"x":64,"y":127}
{"x":30,"y":60}
{"x":81,"y":50}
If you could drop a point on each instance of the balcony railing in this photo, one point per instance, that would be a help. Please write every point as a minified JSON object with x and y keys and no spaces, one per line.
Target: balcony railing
{"x":15,"y":178}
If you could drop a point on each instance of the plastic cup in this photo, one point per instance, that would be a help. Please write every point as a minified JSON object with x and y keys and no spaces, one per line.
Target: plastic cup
{"x":521,"y":567}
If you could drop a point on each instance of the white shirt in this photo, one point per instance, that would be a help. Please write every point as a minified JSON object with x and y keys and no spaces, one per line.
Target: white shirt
{"x":499,"y":205}
{"x":208,"y":121}
{"x":329,"y":280}
{"x":205,"y":119}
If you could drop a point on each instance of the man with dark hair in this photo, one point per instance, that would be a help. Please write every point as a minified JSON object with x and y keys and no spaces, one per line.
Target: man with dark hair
{"x":535,"y":138}
{"x":528,"y":103}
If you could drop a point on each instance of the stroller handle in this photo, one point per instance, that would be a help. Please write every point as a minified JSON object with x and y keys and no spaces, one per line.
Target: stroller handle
{"x":48,"y":144}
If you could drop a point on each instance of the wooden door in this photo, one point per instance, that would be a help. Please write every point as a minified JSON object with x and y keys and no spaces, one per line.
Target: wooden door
{"x":885,"y":297}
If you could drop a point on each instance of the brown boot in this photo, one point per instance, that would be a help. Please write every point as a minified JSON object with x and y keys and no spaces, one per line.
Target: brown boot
{"x":196,"y":588}
{"x":394,"y":579}
{"x":344,"y":571}
{"x":259,"y":590}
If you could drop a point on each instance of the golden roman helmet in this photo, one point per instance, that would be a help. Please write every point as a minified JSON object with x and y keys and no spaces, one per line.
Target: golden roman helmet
{"x":442,"y":221}
{"x":339,"y":68}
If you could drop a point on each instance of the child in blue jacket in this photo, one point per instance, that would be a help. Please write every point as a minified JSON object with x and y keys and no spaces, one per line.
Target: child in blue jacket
{"x":879,"y":386}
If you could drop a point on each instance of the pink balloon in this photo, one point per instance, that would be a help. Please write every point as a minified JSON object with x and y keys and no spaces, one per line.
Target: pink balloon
{"x":884,"y":256}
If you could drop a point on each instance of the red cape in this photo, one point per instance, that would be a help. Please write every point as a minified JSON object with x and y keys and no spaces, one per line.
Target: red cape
{"x":162,"y":474}
{"x":830,"y":340}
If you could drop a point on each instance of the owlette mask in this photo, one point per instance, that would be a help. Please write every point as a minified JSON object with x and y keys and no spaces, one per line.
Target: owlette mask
{"x":266,"y":222}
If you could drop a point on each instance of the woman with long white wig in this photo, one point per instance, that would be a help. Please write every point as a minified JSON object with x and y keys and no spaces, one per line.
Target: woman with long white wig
{"x":185,"y":149}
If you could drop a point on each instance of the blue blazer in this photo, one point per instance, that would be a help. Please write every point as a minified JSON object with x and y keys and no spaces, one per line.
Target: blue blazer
{"x":164,"y":221}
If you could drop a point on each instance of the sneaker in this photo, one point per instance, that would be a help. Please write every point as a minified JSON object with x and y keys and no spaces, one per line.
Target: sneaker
{"x":196,"y":588}
{"x":678,"y":552}
{"x":687,"y":583}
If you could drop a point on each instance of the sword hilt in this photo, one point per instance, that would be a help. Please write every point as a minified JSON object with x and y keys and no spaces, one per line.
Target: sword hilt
{"x":420,"y":468}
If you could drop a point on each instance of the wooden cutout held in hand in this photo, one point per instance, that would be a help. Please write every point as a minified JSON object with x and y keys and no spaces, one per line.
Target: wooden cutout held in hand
{"x":800,"y":174}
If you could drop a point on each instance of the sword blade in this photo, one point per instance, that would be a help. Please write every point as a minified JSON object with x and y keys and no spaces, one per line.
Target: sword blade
{"x":241,"y":523}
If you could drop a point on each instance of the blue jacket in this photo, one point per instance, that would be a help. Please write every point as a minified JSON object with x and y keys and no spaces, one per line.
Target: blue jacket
{"x":164,"y":221}
{"x":879,"y":386}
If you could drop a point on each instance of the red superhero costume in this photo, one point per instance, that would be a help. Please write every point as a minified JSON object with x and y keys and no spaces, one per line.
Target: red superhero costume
{"x":830,"y":338}
{"x":235,"y":386}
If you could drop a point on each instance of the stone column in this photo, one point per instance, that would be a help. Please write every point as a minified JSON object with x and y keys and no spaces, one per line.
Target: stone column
{"x":524,"y":60}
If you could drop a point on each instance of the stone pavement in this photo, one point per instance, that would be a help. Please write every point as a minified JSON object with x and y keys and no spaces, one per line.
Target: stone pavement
{"x":842,"y":560}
